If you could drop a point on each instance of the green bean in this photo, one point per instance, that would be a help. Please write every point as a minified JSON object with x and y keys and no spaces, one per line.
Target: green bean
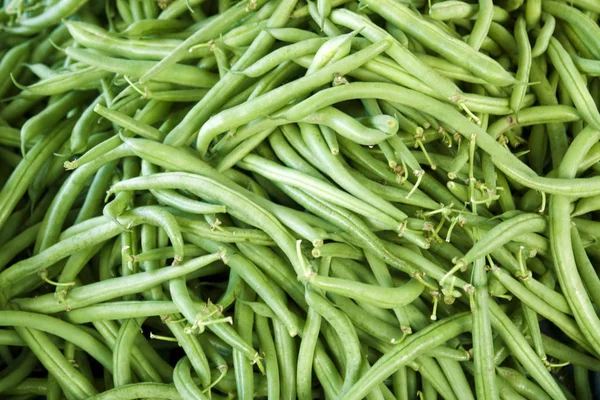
{"x":49,"y":117}
{"x":538,"y":148}
{"x":95,"y":293}
{"x":402,"y":123}
{"x":588,"y":67}
{"x":565,"y":353}
{"x":574,"y":83}
{"x":282,"y":54}
{"x":51,"y":358}
{"x":137,"y":390}
{"x":366,"y":132}
{"x":384,"y":279}
{"x":93,"y":37}
{"x":183,"y":203}
{"x":11,"y":64}
{"x":393,"y":72}
{"x":337,"y":47}
{"x":450,"y":10}
{"x":551,"y":297}
{"x":346,"y":333}
{"x":122,"y":352}
{"x":41,"y":70}
{"x":50,"y":16}
{"x":10,"y":137}
{"x":382,"y":297}
{"x":383,"y":331}
{"x":586,"y":269}
{"x":183,"y":95}
{"x":224,"y":234}
{"x":485,"y":384}
{"x":531,"y":318}
{"x":579,"y":302}
{"x":396,"y":194}
{"x":559,"y":210}
{"x":400,"y":383}
{"x":13,"y":224}
{"x":160,"y":217}
{"x":267,"y":347}
{"x":449,"y":70}
{"x":482,"y":24}
{"x":503,"y":233}
{"x":432,"y":373}
{"x":295,"y":144}
{"x":92,"y":204}
{"x":82,"y":78}
{"x":54,"y":171}
{"x":456,"y":377}
{"x":543,"y":39}
{"x":582,"y":384}
{"x":397,"y":34}
{"x":54,"y":389}
{"x":135,"y":126}
{"x":242,"y":150}
{"x":525,"y":57}
{"x":120,"y":310}
{"x":587,"y":5}
{"x":84,"y":127}
{"x":180,"y":74}
{"x":30,"y":386}
{"x":140,"y":364}
{"x":533,"y":13}
{"x":124,"y":10}
{"x":263,"y":175}
{"x":44,"y":49}
{"x":234,"y":284}
{"x":182,"y":379}
{"x":17,"y":244}
{"x":546,"y":95}
{"x":73,"y":267}
{"x":16,"y":185}
{"x":306,"y":354}
{"x":334,"y":344}
{"x":176,"y":8}
{"x":292,"y":35}
{"x":285,"y":348}
{"x":521,"y":384}
{"x":162,"y":253}
{"x":212,"y":352}
{"x":533,"y":116}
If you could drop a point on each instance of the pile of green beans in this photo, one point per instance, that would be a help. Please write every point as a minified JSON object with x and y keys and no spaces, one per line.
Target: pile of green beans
{"x":311,"y":199}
